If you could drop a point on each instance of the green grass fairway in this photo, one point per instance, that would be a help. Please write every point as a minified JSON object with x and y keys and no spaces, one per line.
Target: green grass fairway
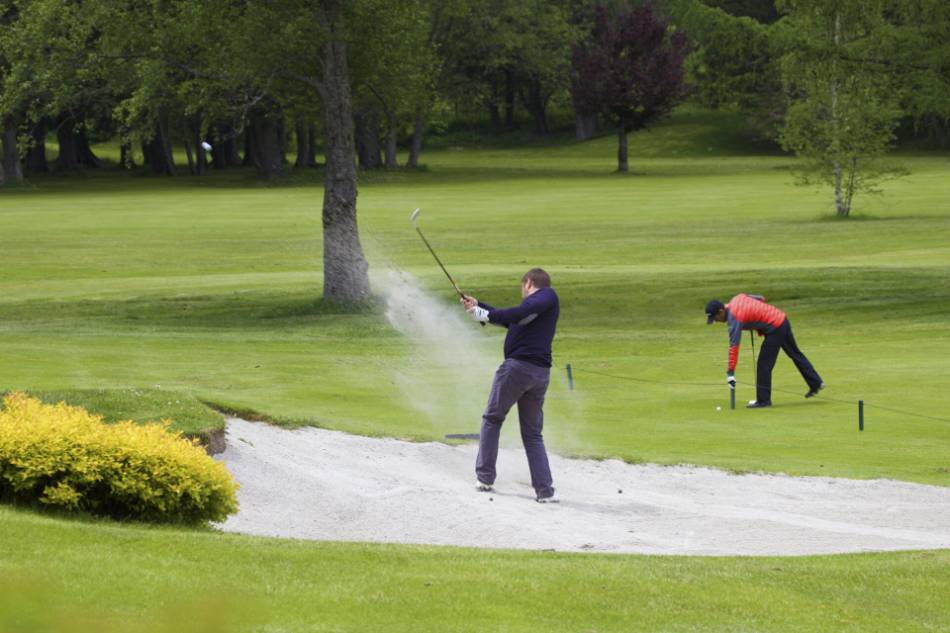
{"x":172,"y":580}
{"x":144,"y":297}
{"x":210,"y":288}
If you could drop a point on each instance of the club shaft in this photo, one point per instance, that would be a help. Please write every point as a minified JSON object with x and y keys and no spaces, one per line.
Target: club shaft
{"x":439,"y":262}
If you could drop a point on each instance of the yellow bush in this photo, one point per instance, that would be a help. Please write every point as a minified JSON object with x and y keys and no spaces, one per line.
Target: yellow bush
{"x":64,"y":456}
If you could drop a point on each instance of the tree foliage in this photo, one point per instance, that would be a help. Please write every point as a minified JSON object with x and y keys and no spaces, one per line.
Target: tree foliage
{"x":844,"y":105}
{"x":506,"y":53}
{"x":630,"y":69}
{"x":734,"y":65}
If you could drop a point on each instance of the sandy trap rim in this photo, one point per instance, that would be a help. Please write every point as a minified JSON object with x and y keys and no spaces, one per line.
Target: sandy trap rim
{"x":316,"y":484}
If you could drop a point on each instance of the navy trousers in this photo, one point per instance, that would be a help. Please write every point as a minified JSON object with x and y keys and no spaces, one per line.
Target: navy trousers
{"x":517,"y":381}
{"x":781,"y":338}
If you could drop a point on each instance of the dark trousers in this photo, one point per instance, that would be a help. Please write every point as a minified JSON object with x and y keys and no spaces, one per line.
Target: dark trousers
{"x":526,"y":384}
{"x":781,"y":338}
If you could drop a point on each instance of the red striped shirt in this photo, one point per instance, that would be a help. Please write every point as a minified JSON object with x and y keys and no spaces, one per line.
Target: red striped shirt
{"x":749,"y":312}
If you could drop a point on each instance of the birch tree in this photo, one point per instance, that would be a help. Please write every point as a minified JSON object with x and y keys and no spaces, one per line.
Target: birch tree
{"x":844,"y":103}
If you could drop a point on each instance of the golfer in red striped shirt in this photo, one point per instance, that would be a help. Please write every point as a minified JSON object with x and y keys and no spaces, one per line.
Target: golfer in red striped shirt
{"x":751,"y":312}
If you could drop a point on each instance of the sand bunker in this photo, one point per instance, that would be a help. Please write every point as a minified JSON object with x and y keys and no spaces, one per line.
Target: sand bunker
{"x":326,"y":485}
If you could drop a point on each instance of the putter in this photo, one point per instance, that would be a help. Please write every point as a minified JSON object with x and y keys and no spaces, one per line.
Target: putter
{"x":413,"y":218}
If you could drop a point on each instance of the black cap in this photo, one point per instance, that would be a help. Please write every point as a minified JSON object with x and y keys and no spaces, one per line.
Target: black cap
{"x":712,"y":309}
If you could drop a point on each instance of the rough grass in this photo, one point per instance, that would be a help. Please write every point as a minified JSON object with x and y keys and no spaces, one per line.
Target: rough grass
{"x":189,"y":415}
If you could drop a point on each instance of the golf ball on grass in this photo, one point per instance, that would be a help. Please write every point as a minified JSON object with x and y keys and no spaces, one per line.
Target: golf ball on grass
{"x":718,"y":408}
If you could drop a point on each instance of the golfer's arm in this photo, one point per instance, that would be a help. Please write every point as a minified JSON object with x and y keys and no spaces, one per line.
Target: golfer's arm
{"x":735,"y":338}
{"x":529,"y":310}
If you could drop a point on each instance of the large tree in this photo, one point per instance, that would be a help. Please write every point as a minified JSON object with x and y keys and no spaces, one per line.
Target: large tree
{"x":844,"y":106}
{"x":345,"y":272}
{"x":630,"y":69}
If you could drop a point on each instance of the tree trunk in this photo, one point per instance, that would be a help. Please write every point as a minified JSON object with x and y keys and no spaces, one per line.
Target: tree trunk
{"x":537,"y":104}
{"x":191,"y":160}
{"x":224,"y":148}
{"x":36,"y":156}
{"x":840,"y":206}
{"x":367,"y":140}
{"x":312,"y":138}
{"x":125,"y":156}
{"x":622,"y":147}
{"x":509,"y":100}
{"x":493,"y":114}
{"x":11,"y":170}
{"x":201,"y":158}
{"x":391,"y":138}
{"x":304,"y":151}
{"x":266,"y":150}
{"x":249,"y":143}
{"x":68,"y":158}
{"x":282,"y":137}
{"x":84,"y":151}
{"x":585,"y":126}
{"x":416,"y":147}
{"x":345,"y":272}
{"x":159,"y":150}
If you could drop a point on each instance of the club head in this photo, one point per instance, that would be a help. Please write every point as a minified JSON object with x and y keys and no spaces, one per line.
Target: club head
{"x":415,"y":214}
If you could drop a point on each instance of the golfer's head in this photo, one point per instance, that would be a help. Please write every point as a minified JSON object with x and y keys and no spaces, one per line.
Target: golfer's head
{"x":715,"y":311}
{"x":533,"y":280}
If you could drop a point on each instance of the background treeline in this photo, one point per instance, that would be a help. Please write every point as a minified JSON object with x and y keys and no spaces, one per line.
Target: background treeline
{"x":836,"y":81}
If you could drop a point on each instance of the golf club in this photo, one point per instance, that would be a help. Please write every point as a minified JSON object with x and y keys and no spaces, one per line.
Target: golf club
{"x":413,"y":218}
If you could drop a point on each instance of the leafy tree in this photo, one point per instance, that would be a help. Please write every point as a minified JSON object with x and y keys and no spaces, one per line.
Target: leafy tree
{"x":844,"y":108}
{"x":734,"y":66}
{"x":630,"y":69}
{"x":57,"y":79}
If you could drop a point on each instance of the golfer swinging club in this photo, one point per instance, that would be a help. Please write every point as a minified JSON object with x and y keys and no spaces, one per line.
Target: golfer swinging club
{"x":751,"y":312}
{"x":522,"y":378}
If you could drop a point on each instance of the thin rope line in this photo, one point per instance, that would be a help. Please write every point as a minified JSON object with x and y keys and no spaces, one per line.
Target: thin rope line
{"x":742,"y":382}
{"x":657,"y":382}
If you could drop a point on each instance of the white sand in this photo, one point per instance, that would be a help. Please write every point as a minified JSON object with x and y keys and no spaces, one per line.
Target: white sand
{"x":326,"y":485}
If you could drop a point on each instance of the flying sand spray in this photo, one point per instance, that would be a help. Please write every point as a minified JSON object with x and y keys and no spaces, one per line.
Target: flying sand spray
{"x":442,"y":342}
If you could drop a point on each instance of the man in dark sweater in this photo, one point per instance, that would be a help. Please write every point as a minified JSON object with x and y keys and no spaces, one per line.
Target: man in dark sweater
{"x":522,"y":378}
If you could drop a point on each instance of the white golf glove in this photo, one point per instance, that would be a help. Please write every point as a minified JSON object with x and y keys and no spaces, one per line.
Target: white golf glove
{"x":731,"y":381}
{"x":479,"y":314}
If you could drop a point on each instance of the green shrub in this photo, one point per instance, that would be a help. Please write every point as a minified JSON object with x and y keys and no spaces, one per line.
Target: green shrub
{"x":63,"y":456}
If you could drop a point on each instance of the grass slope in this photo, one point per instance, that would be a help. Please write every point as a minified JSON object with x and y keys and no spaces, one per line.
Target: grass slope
{"x":189,"y":415}
{"x":99,"y":576}
{"x":209,"y":287}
